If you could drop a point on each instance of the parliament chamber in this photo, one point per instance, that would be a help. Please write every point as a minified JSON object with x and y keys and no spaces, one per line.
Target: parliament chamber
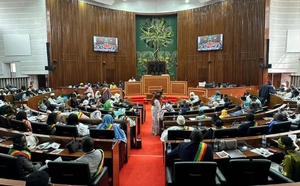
{"x":77,"y":43}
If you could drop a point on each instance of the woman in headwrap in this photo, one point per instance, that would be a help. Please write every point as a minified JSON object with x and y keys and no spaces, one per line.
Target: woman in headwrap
{"x":108,"y":123}
{"x":224,"y":114}
{"x":291,"y":159}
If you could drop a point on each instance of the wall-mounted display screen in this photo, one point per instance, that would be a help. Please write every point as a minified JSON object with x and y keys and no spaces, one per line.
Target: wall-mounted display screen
{"x":210,"y":42}
{"x":105,"y":44}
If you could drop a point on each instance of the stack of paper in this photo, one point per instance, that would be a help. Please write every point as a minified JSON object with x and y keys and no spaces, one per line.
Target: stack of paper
{"x":262,"y":151}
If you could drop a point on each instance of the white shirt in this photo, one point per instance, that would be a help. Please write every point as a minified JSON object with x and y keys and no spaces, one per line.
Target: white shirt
{"x":92,"y":158}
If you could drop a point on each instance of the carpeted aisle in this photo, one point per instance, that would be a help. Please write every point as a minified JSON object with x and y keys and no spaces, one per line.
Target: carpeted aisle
{"x":145,"y":166}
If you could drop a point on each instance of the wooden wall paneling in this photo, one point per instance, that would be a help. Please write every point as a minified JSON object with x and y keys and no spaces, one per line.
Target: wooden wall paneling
{"x":73,"y":25}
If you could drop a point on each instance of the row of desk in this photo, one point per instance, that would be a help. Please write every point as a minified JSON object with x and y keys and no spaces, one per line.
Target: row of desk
{"x":109,"y":146}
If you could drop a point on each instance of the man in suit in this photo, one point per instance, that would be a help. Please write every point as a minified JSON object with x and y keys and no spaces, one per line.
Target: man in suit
{"x":266,"y":90}
{"x":190,"y":151}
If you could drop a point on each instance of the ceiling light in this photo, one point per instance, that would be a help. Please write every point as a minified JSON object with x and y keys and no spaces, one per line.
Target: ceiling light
{"x":187,"y":1}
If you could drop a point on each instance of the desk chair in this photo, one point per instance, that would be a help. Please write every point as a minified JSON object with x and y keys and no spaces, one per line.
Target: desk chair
{"x":4,"y":122}
{"x":39,"y":128}
{"x":189,"y":173}
{"x":10,"y":167}
{"x":18,"y":125}
{"x":75,"y":173}
{"x":242,"y":172}
{"x":258,"y":130}
{"x":283,"y":126}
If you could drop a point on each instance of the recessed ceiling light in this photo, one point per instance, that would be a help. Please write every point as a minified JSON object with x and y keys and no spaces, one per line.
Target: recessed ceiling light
{"x":187,"y":1}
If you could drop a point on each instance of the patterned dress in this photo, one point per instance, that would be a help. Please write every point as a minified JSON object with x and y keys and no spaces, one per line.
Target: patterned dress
{"x":156,"y":109}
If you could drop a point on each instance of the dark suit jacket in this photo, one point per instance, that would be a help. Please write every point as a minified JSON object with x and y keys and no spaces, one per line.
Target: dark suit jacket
{"x":243,"y":128}
{"x":265,"y":91}
{"x":186,"y":151}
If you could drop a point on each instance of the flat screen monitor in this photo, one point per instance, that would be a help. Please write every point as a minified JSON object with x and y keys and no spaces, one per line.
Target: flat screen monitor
{"x":105,"y":44}
{"x":66,"y":130}
{"x":225,"y":133}
{"x":210,"y":42}
{"x":179,"y":134}
{"x":102,"y":133}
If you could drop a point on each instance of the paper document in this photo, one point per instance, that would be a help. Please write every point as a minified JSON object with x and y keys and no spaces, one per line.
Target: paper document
{"x":262,"y":151}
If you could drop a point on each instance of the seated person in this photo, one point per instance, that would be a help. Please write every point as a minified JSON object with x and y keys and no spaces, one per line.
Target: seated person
{"x":196,"y":150}
{"x":38,"y":178}
{"x":22,"y":116}
{"x":203,"y":107}
{"x":217,"y":123}
{"x":20,"y":150}
{"x":180,"y":121}
{"x":277,"y":118}
{"x":217,"y":96}
{"x":168,"y":107}
{"x":227,"y":102}
{"x":294,"y":118}
{"x":51,"y":122}
{"x":254,"y":99}
{"x":94,"y":157}
{"x":250,"y":122}
{"x":193,"y":98}
{"x":254,"y":107}
{"x":83,"y":129}
{"x":224,"y":114}
{"x":238,"y":111}
{"x":201,"y":115}
{"x":109,"y":104}
{"x":184,"y":107}
{"x":120,"y":114}
{"x":291,"y":157}
{"x":288,"y":94}
{"x":8,"y":111}
{"x":108,"y":123}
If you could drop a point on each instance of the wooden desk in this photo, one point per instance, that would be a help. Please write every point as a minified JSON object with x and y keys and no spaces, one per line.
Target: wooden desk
{"x":168,"y":120}
{"x":110,"y":148}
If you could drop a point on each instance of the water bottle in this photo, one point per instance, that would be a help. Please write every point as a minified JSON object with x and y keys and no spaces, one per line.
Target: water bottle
{"x":169,"y":147}
{"x":216,"y":145}
{"x":288,"y":106}
{"x":264,"y":141}
{"x":199,"y":124}
{"x":174,"y":117}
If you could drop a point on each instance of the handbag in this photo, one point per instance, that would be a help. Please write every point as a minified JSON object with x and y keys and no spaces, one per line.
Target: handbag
{"x":32,"y":141}
{"x":73,"y":146}
{"x":228,"y":144}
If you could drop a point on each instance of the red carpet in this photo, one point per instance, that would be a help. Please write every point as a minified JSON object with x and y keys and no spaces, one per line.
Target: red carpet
{"x":145,"y":166}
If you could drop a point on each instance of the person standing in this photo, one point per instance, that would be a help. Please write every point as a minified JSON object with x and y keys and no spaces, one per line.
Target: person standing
{"x":265,"y":91}
{"x":156,"y":109}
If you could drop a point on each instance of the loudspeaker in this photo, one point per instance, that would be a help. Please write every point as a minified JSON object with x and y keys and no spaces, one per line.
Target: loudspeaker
{"x":267,"y":51}
{"x":269,"y":65}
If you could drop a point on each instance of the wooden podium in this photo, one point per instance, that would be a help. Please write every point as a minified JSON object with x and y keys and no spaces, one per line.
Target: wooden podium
{"x":156,"y":67}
